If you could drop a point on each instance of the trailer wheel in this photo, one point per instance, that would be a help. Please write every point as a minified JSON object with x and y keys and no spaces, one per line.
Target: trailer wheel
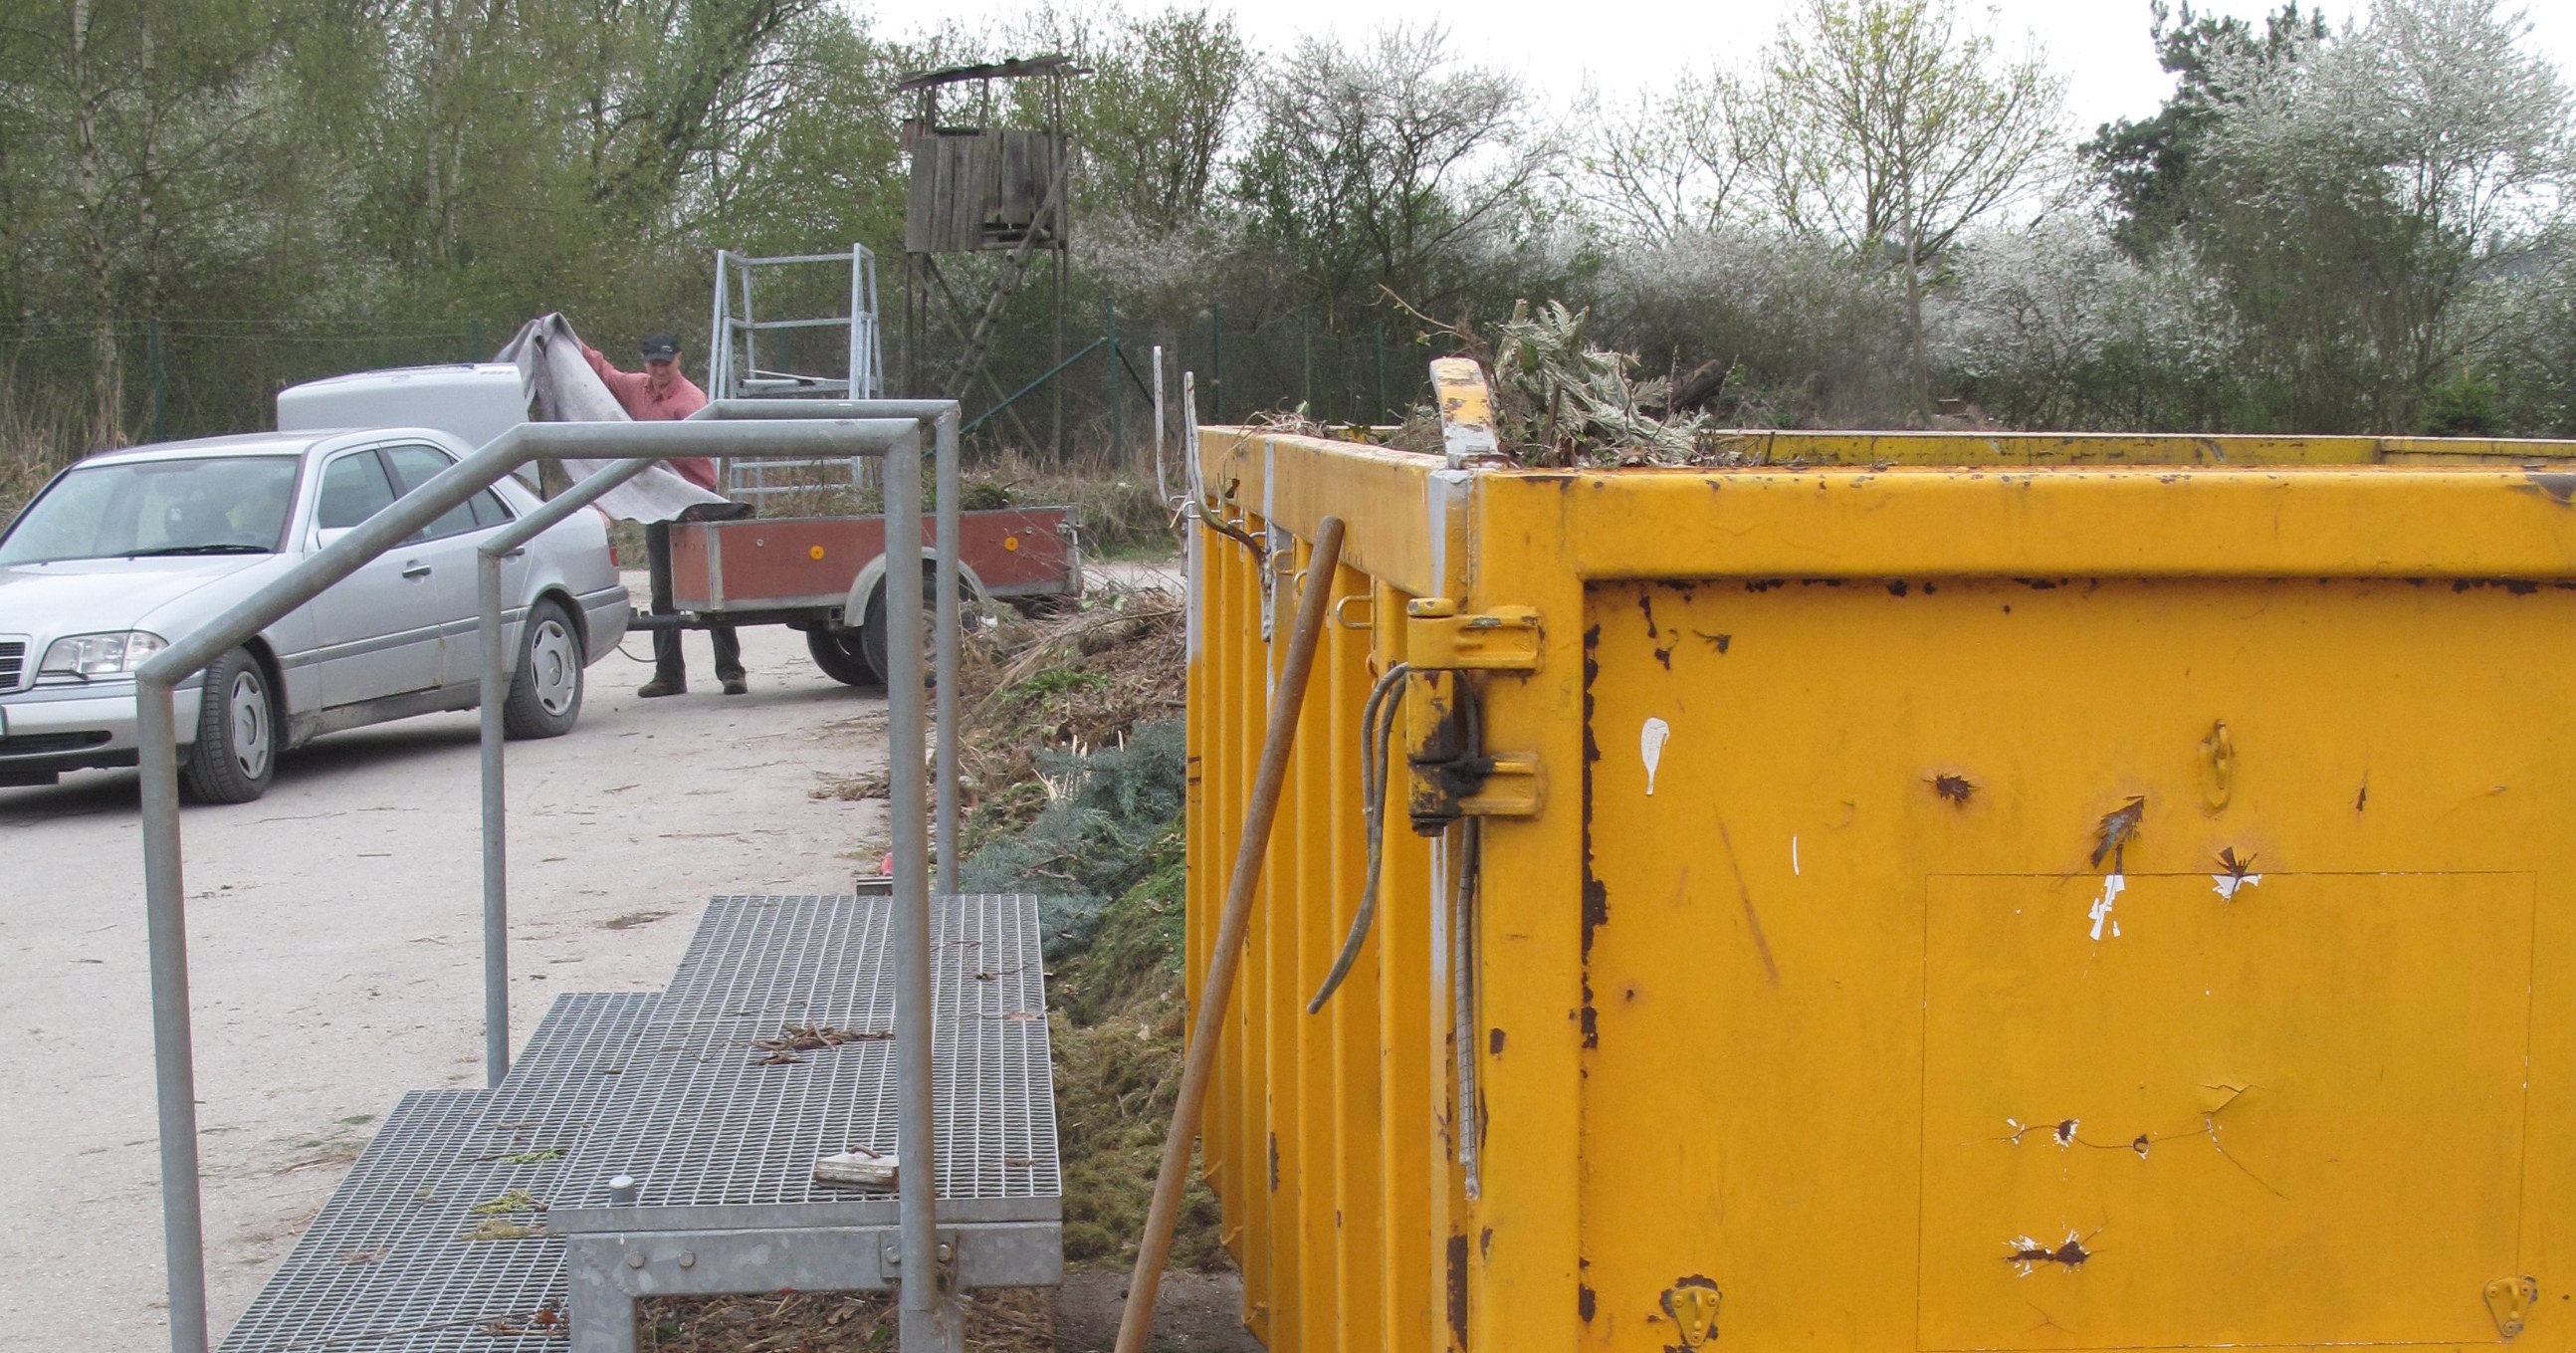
{"x":872,"y":631}
{"x":841,"y":655}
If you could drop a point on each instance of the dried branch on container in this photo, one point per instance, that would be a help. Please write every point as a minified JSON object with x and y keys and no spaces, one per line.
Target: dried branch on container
{"x":1564,"y":402}
{"x":1559,"y":400}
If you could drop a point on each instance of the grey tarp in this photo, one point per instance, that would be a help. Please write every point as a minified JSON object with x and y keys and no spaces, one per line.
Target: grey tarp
{"x":561,"y":388}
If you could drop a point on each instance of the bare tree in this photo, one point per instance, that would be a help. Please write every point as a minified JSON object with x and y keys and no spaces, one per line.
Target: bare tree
{"x":1890,"y":126}
{"x":1375,"y":166}
{"x":1667,"y":164}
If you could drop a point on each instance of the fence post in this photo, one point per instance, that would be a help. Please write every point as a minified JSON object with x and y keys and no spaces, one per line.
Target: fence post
{"x":1381,"y":371}
{"x":1306,"y":359}
{"x":1216,"y":364}
{"x":160,"y":385}
{"x":1109,"y":339}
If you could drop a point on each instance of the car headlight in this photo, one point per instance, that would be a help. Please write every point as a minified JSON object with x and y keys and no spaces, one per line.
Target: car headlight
{"x":89,"y":657}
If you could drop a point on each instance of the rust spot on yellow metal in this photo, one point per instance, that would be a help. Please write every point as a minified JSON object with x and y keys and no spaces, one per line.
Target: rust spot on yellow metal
{"x":1458,"y":1291}
{"x":2116,"y":829}
{"x":2028,"y":1254}
{"x":1956,"y":789}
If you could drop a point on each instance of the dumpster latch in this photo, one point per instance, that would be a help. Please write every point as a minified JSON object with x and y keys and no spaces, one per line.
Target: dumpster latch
{"x":1439,"y":637}
{"x":2510,"y":1300}
{"x":1453,"y":775}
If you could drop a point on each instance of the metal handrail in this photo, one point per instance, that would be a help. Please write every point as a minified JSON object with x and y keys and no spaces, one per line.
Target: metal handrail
{"x":156,"y":727}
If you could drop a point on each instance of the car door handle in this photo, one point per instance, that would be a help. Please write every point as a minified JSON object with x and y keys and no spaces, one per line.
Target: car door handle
{"x":415,"y":569}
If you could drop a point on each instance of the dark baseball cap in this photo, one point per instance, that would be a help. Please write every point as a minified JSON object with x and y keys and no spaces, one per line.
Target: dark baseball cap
{"x":661,"y":348}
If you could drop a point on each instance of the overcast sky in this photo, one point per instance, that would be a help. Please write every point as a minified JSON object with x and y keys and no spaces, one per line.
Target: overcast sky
{"x":1622,"y":45}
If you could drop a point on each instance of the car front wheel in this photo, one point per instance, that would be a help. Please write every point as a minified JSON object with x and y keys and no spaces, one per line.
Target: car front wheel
{"x":545,"y":693}
{"x":237,"y":733}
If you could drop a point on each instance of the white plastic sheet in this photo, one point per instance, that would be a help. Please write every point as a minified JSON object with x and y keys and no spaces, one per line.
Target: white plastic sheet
{"x":561,"y":388}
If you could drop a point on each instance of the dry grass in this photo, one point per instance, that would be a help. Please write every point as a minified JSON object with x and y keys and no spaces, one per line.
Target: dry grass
{"x":1075,"y":681}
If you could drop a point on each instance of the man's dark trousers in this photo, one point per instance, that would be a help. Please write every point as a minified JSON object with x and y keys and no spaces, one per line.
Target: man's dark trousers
{"x":669,"y":667}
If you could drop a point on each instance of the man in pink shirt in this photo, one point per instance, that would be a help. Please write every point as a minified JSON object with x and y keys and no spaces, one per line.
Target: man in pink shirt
{"x":660,"y":393}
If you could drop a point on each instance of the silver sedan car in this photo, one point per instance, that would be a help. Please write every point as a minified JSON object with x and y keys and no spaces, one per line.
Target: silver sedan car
{"x":126,"y":552}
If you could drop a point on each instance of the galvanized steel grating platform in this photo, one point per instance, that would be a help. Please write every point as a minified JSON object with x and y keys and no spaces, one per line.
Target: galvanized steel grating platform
{"x":384,"y":1266}
{"x":669,"y":1087}
{"x":715,"y":1122}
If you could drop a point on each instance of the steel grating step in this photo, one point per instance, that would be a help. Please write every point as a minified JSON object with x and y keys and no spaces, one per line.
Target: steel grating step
{"x":716,"y":1123}
{"x":668,"y":1087}
{"x":385,"y":1265}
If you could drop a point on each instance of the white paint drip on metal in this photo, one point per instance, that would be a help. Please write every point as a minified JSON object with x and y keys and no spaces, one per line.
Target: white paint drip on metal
{"x":2112,"y":886}
{"x":1650,"y":745}
{"x":2226,"y":885}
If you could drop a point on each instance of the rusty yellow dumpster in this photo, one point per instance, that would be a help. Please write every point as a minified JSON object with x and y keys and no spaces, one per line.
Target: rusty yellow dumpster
{"x":1907,"y":892}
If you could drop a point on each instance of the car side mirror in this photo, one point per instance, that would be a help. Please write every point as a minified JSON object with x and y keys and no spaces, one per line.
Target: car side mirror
{"x":324,"y":535}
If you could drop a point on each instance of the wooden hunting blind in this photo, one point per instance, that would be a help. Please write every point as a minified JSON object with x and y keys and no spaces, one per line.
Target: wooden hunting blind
{"x":976,"y":190}
{"x":983,"y":189}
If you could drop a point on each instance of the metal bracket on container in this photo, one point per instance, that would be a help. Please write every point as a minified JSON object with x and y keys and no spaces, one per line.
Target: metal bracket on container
{"x":1438,"y":637}
{"x":2509,"y":1300}
{"x":1453,"y":775}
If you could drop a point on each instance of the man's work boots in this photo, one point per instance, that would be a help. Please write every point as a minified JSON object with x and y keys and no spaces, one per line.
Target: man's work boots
{"x":662,"y":686}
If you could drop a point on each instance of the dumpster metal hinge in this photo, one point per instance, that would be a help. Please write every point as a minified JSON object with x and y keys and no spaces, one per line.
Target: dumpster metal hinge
{"x":1438,"y":637}
{"x":2510,"y":1301}
{"x":1453,"y":776}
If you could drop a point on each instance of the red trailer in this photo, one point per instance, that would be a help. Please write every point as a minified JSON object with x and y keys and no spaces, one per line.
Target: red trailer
{"x":824,"y":575}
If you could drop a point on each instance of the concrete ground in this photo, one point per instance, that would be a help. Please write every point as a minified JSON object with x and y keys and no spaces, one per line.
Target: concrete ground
{"x":334,"y":938}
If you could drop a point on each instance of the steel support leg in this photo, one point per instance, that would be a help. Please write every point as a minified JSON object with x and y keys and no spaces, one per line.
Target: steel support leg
{"x":947,"y":620}
{"x":929,"y":1313}
{"x":600,"y":1312}
{"x":496,"y":869}
{"x":165,"y":918}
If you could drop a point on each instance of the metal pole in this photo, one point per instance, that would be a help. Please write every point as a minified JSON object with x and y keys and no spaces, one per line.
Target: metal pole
{"x":946,"y":610}
{"x":498,"y":663}
{"x":1381,"y":371}
{"x":926,"y":1316}
{"x":1162,"y":490}
{"x":496,"y":872}
{"x":1216,"y":364}
{"x":719,"y":349}
{"x":1306,"y":354}
{"x":183,"y":1244}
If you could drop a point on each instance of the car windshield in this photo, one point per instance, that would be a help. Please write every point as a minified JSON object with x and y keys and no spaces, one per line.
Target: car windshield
{"x":206,"y":505}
